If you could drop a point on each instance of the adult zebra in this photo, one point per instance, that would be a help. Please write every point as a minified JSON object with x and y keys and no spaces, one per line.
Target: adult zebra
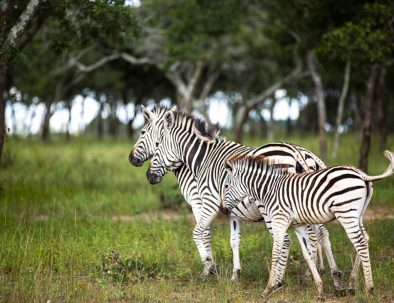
{"x":187,"y":142}
{"x":339,"y":192}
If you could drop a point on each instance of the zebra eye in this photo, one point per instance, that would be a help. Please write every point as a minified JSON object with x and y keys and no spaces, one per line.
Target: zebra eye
{"x":225,"y":186}
{"x":143,"y":132}
{"x":157,"y":143}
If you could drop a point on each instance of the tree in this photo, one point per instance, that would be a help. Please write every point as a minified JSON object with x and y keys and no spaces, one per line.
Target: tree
{"x":73,"y":30}
{"x":13,"y":38}
{"x":367,"y":40}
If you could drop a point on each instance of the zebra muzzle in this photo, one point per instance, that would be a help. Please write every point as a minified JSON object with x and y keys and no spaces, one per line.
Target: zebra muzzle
{"x":225,"y":210}
{"x":153,"y":178}
{"x":134,"y":160}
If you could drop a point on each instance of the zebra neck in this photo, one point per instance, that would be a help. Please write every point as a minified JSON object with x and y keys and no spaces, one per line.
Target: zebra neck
{"x":194,"y":150}
{"x":266,"y":188}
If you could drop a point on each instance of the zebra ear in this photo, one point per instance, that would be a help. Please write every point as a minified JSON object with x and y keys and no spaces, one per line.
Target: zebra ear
{"x":228,"y":166}
{"x":148,"y":115}
{"x":169,"y":119}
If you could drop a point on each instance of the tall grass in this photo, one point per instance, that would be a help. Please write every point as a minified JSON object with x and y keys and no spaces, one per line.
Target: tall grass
{"x":65,"y":206}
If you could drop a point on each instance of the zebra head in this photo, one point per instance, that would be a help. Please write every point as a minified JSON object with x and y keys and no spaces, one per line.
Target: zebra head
{"x":150,"y":134}
{"x":167,"y":156}
{"x":234,"y":189}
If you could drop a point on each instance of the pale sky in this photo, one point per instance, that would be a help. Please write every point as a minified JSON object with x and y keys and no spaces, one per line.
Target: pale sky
{"x":218,"y":112}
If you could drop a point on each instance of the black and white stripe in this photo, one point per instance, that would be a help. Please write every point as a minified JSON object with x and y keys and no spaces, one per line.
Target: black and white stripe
{"x":339,"y":192}
{"x":188,"y":143}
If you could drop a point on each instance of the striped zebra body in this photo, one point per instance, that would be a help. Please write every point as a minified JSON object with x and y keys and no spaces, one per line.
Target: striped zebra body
{"x":184,"y":144}
{"x":339,"y":192}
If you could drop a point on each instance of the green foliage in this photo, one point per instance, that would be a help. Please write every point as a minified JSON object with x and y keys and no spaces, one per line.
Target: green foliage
{"x":366,"y":38}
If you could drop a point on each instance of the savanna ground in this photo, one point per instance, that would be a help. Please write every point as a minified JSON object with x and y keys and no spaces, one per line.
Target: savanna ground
{"x":78,"y":223}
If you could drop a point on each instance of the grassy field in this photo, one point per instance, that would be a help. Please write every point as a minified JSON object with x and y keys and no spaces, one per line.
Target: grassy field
{"x":78,"y":223}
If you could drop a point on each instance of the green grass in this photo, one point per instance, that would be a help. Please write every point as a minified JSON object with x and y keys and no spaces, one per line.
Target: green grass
{"x":65,"y":206}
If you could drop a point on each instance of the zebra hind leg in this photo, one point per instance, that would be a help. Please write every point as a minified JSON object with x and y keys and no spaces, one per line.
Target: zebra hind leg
{"x":356,"y":267}
{"x":359,"y":240}
{"x":323,"y":237}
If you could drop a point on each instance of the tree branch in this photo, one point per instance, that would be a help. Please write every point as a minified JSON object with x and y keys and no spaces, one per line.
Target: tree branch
{"x":18,"y":29}
{"x":294,"y":75}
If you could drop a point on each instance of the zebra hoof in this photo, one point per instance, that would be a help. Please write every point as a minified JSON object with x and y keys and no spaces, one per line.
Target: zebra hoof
{"x":371,"y":291}
{"x":340,"y":292}
{"x":213,"y":270}
{"x":304,"y":279}
{"x":336,"y":274}
{"x":351,"y":291}
{"x":202,"y":277}
{"x":235,"y":276}
{"x":320,"y":298}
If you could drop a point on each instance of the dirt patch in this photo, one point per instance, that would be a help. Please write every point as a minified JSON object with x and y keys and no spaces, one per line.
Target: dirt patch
{"x":41,"y":218}
{"x":153,"y":216}
{"x":378,"y":213}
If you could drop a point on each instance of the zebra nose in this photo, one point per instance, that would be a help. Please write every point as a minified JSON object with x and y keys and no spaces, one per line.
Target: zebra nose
{"x":226,"y":210}
{"x":153,"y":178}
{"x":134,"y":161}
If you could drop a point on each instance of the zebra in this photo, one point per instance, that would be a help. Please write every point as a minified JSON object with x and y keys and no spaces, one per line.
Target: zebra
{"x":187,"y":141}
{"x":338,"y":192}
{"x":144,"y":149}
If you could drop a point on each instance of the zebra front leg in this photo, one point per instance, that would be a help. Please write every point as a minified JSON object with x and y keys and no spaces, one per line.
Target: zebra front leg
{"x":279,"y":229}
{"x":309,"y":256}
{"x":198,"y":236}
{"x":196,"y":206}
{"x":282,"y":262}
{"x":235,"y":241}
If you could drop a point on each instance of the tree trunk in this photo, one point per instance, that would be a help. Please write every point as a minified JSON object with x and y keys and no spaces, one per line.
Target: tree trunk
{"x":241,"y":118}
{"x":382,"y":111}
{"x":14,"y":122}
{"x":341,"y":103}
{"x":321,"y":108}
{"x":100,"y":126}
{"x":3,"y":78}
{"x":69,"y":107}
{"x":289,"y":124}
{"x":367,"y":121}
{"x":270,"y":122}
{"x":45,"y":124}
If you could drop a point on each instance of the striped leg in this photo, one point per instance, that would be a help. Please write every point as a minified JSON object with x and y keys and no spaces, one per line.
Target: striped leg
{"x":235,"y":241}
{"x":356,"y":266}
{"x":282,"y":262}
{"x":309,"y":235}
{"x":324,"y":240}
{"x":355,"y":233}
{"x":357,"y":262}
{"x":309,"y":254}
{"x":279,"y":228}
{"x":204,"y":222}
{"x":205,"y":243}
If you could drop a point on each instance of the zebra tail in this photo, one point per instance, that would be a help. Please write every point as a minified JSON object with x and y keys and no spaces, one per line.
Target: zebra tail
{"x":388,"y":172}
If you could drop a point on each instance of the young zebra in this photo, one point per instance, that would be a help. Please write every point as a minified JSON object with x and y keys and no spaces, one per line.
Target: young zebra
{"x":186,"y":142}
{"x":339,"y":192}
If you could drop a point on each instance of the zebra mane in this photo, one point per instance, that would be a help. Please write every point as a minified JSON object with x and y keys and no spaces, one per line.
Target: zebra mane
{"x":201,"y":128}
{"x":268,"y":166}
{"x":157,"y":110}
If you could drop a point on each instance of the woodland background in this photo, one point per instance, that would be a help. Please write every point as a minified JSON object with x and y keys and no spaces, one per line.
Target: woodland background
{"x":78,"y":223}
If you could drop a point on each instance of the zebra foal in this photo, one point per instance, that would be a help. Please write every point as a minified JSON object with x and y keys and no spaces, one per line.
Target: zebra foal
{"x":339,"y":192}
